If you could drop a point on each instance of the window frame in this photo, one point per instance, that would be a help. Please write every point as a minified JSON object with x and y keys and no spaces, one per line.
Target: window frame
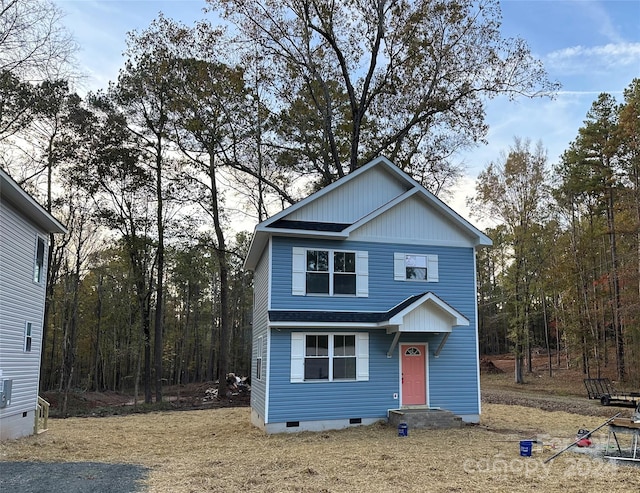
{"x":299,"y":356}
{"x":260,"y":352}
{"x":299,"y":272}
{"x":400,"y":266}
{"x":28,"y":337}
{"x":39,"y":262}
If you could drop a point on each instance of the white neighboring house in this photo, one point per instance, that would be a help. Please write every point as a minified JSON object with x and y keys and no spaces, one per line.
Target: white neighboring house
{"x":24,"y":241}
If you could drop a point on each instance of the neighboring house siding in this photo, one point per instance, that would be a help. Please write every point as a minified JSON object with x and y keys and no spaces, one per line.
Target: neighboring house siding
{"x":260,"y":323}
{"x":21,"y":301}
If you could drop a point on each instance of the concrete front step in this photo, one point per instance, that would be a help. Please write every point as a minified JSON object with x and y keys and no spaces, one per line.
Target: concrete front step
{"x":424,"y":418}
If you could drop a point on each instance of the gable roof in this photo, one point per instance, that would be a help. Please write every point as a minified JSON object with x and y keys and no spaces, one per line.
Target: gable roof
{"x":25,"y":203}
{"x":286,"y":222}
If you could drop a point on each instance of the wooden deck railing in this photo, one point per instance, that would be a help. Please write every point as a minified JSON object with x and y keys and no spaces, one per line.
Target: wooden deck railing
{"x":42,"y":416}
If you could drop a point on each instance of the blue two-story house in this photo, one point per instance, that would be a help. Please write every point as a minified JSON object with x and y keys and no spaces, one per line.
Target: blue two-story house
{"x":364,"y":302}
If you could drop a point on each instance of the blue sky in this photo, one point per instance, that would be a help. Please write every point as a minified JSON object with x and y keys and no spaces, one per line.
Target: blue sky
{"x":589,"y":46}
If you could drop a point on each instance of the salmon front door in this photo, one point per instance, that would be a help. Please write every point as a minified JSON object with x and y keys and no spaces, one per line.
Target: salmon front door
{"x":414,"y":381}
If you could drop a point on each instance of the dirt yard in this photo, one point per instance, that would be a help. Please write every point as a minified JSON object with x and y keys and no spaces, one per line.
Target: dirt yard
{"x":216,"y":449}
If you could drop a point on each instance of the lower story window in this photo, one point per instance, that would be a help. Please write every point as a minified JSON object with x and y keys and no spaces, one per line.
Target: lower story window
{"x":329,"y":357}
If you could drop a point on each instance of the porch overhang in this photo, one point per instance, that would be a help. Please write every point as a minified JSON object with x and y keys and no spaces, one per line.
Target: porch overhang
{"x":427,"y":314}
{"x":421,"y":313}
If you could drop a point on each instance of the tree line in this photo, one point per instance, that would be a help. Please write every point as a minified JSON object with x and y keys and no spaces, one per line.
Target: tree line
{"x":213,"y":126}
{"x":564,"y":272}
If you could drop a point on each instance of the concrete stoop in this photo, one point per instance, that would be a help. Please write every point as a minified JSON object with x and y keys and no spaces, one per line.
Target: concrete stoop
{"x":424,"y":418}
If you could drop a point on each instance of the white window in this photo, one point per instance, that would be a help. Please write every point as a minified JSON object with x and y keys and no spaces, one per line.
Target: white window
{"x":330,"y":272}
{"x":38,"y":267}
{"x":415,"y":267}
{"x":329,"y":357}
{"x":27,"y":337}
{"x":259,"y":358}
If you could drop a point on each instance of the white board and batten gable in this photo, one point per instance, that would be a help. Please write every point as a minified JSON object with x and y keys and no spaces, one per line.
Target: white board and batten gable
{"x":376,"y":203}
{"x":24,"y":240}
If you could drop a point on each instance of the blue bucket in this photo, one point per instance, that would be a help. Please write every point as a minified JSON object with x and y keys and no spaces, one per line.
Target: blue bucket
{"x":525,"y":448}
{"x":403,"y":430}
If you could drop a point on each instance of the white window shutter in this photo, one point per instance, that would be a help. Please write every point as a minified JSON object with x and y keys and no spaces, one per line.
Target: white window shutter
{"x":362,"y":359}
{"x":298,"y":272}
{"x":399,"y":269}
{"x":362,"y":274}
{"x":297,"y":357}
{"x":432,"y":268}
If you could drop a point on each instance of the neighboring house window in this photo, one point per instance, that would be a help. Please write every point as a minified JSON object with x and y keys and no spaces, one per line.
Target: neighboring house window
{"x":415,"y":267}
{"x":330,"y":272}
{"x":27,"y":337}
{"x":329,"y":357}
{"x":38,"y":268}
{"x":259,"y":358}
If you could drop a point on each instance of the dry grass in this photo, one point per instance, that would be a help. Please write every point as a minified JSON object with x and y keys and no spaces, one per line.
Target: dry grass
{"x":218,"y":450}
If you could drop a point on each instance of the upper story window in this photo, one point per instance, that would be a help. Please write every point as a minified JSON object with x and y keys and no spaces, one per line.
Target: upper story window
{"x":330,"y":272}
{"x":415,"y":267}
{"x":38,"y":268}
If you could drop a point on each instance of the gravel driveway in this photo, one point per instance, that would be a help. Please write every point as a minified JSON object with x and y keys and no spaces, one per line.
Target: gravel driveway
{"x":71,"y":477}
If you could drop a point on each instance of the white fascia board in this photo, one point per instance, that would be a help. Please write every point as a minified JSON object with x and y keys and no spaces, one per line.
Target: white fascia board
{"x":323,"y":325}
{"x":14,"y":194}
{"x":457,"y":317}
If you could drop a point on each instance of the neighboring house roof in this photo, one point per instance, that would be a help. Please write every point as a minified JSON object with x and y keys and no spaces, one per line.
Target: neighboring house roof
{"x":288,"y":222}
{"x":11,"y":192}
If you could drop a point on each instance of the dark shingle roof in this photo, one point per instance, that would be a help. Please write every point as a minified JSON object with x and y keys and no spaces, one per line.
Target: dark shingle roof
{"x":344,"y":317}
{"x":309,"y":226}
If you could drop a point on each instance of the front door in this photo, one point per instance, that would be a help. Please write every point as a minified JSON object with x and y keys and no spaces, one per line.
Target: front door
{"x":414,"y":382}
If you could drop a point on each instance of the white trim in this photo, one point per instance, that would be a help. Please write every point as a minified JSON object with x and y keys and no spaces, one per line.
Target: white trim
{"x":298,"y":355}
{"x":319,"y":425}
{"x":27,"y":205}
{"x":426,"y":369}
{"x":268,"y":377}
{"x":475,"y":333}
{"x":270,"y":274}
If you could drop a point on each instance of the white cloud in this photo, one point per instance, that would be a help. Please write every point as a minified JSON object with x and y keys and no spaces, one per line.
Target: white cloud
{"x":577,"y":59}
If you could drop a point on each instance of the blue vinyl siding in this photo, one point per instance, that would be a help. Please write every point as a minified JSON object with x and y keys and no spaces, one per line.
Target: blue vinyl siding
{"x":455,"y":286}
{"x":452,"y":385}
{"x":332,"y":400}
{"x":453,"y":378}
{"x":260,"y":325}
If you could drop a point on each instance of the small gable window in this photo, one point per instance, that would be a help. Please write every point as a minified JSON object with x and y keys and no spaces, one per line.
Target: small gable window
{"x":415,"y":267}
{"x":329,"y":357}
{"x":330,"y":272}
